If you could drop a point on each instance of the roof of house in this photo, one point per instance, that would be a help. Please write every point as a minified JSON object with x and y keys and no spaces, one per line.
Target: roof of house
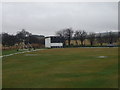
{"x":52,"y":36}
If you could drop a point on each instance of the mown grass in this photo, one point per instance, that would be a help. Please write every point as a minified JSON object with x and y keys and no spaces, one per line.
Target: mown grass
{"x":6,"y":52}
{"x":62,"y":68}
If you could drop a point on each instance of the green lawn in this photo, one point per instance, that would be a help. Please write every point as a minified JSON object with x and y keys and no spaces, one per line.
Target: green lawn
{"x":62,"y":68}
{"x":6,"y":52}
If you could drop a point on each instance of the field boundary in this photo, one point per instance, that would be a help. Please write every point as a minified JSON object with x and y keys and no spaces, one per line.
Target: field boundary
{"x":44,"y":49}
{"x":20,"y":53}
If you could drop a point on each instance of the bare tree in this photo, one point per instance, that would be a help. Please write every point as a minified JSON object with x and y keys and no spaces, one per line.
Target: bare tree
{"x":23,"y":35}
{"x":66,"y":33}
{"x":110,"y":37}
{"x":100,"y":39}
{"x":76,"y":36}
{"x":91,"y":38}
{"x":60,"y":33}
{"x":81,"y":35}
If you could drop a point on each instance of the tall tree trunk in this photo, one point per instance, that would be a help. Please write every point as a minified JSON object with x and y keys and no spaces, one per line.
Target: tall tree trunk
{"x":69,"y":41}
{"x":91,"y":43}
{"x":76,"y":43}
{"x":101,"y":44}
{"x":81,"y":43}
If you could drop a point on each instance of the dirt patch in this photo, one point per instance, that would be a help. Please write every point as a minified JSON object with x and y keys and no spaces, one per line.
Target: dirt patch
{"x":102,"y":57}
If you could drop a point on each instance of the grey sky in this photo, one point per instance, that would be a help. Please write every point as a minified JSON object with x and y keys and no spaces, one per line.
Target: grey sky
{"x":47,"y":18}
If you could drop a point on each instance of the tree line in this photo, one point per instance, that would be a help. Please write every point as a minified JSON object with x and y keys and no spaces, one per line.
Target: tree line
{"x":21,"y":36}
{"x":81,"y":35}
{"x":67,"y":34}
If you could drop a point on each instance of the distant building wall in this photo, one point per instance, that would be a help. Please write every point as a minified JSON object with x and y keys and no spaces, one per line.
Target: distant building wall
{"x":57,"y":44}
{"x":53,"y":42}
{"x":47,"y":42}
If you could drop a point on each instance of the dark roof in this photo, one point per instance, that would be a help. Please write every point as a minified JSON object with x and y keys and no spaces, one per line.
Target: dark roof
{"x":38,"y":35}
{"x":51,"y":36}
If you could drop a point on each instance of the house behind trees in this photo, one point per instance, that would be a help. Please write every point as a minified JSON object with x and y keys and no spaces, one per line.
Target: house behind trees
{"x":54,"y":42}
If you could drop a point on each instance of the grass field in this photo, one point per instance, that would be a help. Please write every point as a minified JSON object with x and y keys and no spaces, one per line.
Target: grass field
{"x":6,"y":52}
{"x":62,"y":68}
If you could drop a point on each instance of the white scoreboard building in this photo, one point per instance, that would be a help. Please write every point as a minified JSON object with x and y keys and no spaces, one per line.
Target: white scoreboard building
{"x":54,"y":42}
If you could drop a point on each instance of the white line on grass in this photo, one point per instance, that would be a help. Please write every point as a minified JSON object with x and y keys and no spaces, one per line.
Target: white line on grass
{"x":44,"y":49}
{"x":19,"y":53}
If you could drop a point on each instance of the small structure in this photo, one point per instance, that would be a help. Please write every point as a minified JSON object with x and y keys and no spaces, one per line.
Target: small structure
{"x":23,"y":46}
{"x":54,"y":42}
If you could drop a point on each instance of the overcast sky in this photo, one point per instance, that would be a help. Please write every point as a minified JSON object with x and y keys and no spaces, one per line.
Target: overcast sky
{"x":48,"y":17}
